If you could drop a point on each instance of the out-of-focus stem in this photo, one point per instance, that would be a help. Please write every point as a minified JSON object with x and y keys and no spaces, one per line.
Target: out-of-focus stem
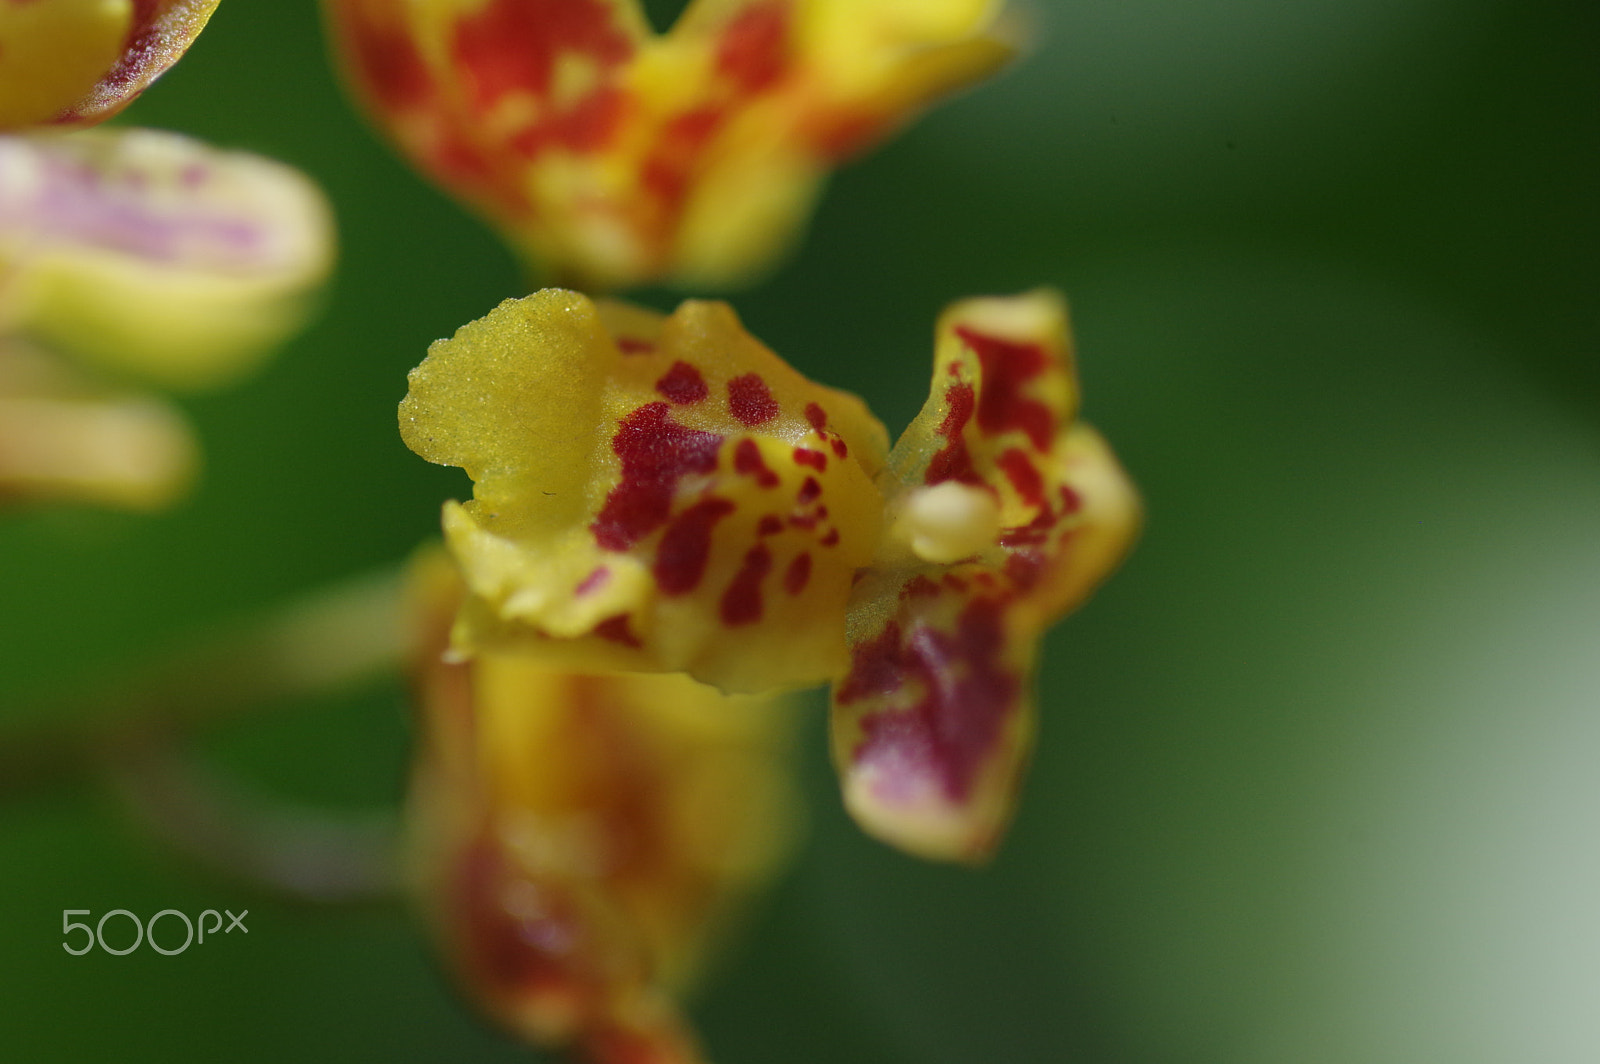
{"x":135,"y":731}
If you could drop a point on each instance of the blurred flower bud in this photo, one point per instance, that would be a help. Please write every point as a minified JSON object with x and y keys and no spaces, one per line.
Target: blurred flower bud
{"x":152,"y":254}
{"x":579,"y":840}
{"x":612,"y":156}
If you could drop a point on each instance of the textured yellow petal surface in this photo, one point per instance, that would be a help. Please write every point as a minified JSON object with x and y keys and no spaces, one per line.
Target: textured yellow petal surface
{"x":53,"y":52}
{"x":611,"y":155}
{"x":155,"y":255}
{"x":656,"y":494}
{"x":579,"y":841}
{"x":78,"y":62}
{"x":1001,"y":515}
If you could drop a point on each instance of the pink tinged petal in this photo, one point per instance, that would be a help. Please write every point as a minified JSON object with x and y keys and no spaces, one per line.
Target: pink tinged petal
{"x":156,"y":253}
{"x":1006,"y":515}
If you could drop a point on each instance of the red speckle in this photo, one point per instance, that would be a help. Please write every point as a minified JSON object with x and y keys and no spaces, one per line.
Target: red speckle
{"x":749,"y":400}
{"x":966,"y":698}
{"x":809,"y":491}
{"x":984,"y":579}
{"x":682,"y":384}
{"x":686,"y":546}
{"x":807,"y":457}
{"x":741,"y":603}
{"x":954,"y":582}
{"x":817,"y":416}
{"x":525,"y":953}
{"x":1024,"y":476}
{"x":1006,"y":367}
{"x":953,"y":461}
{"x":831,"y":539}
{"x":798,"y":574}
{"x":511,"y":46}
{"x":769,"y":525}
{"x":667,"y":170}
{"x":387,"y":62}
{"x":840,"y":448}
{"x":918,"y":586}
{"x":747,"y":460}
{"x":753,"y":49}
{"x":615,"y":629}
{"x":805,"y":521}
{"x":877,"y":667}
{"x":1024,"y":568}
{"x":655,"y":453}
{"x":1071,"y":501}
{"x":593,"y":582}
{"x":630,"y":345}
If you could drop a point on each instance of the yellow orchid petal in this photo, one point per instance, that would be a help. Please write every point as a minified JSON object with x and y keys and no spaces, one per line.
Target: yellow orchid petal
{"x":615,"y":156}
{"x":579,"y":841}
{"x":652,"y":493}
{"x":78,"y":62}
{"x":61,"y":442}
{"x":150,"y":253}
{"x":1003,"y":515}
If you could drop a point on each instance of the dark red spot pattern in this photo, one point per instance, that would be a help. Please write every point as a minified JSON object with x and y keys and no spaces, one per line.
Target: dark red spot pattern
{"x":817,"y":417}
{"x":511,"y":46}
{"x":750,"y":401}
{"x":798,"y":574}
{"x":769,"y":525}
{"x":741,"y":602}
{"x":831,"y":539}
{"x":656,"y":453}
{"x":953,"y":461}
{"x":966,"y":696}
{"x":671,"y":164}
{"x":747,"y":461}
{"x":809,"y":491}
{"x":753,"y":51}
{"x":807,"y":457}
{"x":632,"y":345}
{"x":387,"y":62}
{"x":615,"y":629}
{"x":1024,"y":475}
{"x":685,"y":547}
{"x":1007,"y":366}
{"x":682,"y":384}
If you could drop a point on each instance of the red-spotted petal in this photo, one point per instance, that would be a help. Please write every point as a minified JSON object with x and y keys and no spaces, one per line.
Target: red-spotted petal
{"x":1002,"y":515}
{"x":579,"y":841}
{"x":651,"y":493}
{"x":612,"y":155}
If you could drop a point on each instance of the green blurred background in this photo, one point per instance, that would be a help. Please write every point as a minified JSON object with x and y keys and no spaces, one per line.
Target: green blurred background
{"x":1317,"y":778}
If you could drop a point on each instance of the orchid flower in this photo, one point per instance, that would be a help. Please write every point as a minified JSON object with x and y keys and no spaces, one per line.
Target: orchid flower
{"x":611,"y":156}
{"x":578,"y":841}
{"x":664,"y":494}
